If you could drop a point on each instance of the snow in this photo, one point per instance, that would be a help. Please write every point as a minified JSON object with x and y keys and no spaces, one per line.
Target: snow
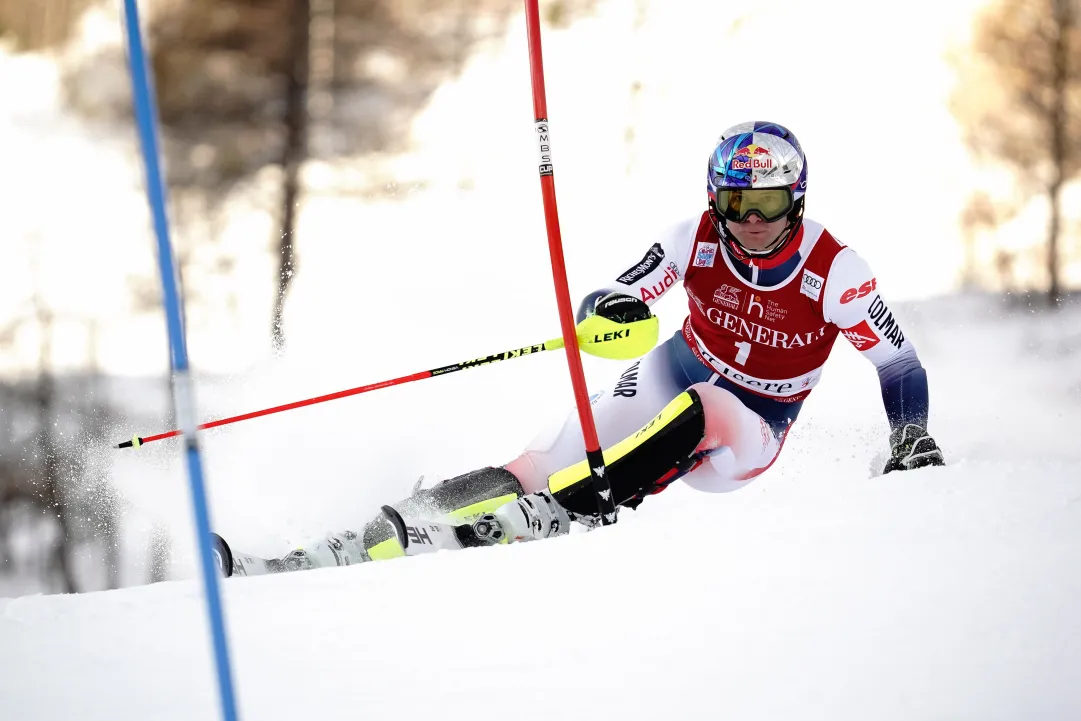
{"x":819,"y":591}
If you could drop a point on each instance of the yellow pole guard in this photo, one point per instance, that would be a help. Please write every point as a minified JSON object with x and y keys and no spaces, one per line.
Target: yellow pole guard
{"x":605,"y":338}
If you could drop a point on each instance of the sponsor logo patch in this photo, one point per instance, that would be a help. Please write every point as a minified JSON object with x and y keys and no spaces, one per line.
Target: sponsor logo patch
{"x":764,"y":335}
{"x":768,"y":310}
{"x":705,"y":254}
{"x":627,"y":387}
{"x":888,"y":327}
{"x":656,"y":290}
{"x":860,"y":336}
{"x":811,"y":286}
{"x":651,"y":260}
{"x":752,"y":157}
{"x":853,"y":293}
{"x":728,"y":296}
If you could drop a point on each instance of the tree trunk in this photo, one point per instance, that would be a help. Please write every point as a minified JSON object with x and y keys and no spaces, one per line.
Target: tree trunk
{"x":1064,"y":24}
{"x":294,"y":152}
{"x":51,"y":466}
{"x":1053,"y":232}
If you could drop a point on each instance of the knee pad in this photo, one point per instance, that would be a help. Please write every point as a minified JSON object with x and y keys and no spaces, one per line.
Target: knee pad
{"x":655,"y":455}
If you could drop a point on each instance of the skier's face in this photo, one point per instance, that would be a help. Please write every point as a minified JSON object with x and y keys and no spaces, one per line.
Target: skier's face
{"x":755,"y":233}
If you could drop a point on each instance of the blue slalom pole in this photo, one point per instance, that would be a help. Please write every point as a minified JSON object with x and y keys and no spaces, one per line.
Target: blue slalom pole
{"x":183,"y":401}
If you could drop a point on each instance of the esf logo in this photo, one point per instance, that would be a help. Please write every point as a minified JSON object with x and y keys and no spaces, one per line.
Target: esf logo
{"x":864,"y":290}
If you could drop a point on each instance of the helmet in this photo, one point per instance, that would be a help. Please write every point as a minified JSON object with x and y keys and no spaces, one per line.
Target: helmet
{"x":757,"y":156}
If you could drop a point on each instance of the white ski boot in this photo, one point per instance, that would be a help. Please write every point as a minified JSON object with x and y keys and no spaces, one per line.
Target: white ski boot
{"x":338,"y":549}
{"x":530,"y":518}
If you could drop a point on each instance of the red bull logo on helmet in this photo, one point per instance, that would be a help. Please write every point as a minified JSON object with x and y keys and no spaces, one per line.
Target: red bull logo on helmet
{"x":752,"y":157}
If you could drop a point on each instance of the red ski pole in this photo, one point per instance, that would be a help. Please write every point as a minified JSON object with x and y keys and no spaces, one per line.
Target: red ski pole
{"x":559,"y":271}
{"x":631,"y":340}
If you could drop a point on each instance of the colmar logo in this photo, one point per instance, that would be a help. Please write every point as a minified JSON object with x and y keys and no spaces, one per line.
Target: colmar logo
{"x":861,"y":336}
{"x":752,"y":157}
{"x":887,"y":325}
{"x":628,"y":382}
{"x":853,"y":293}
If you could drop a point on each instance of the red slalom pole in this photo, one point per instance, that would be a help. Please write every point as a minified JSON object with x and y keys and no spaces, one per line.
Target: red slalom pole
{"x":603,"y":490}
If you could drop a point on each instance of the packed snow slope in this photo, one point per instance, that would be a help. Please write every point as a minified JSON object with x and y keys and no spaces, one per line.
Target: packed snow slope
{"x":820,"y":591}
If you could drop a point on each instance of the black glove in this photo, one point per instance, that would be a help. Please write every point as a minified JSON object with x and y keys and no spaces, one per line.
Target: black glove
{"x":621,"y":308}
{"x":911,"y":447}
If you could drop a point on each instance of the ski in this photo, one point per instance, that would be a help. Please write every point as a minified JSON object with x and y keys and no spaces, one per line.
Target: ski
{"x":337,"y":549}
{"x":237,"y":563}
{"x":417,"y":536}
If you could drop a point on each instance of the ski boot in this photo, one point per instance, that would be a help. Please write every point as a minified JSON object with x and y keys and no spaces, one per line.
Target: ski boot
{"x":529,"y":518}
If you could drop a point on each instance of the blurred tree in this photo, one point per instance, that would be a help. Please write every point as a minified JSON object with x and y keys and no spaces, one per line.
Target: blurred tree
{"x":51,"y":488}
{"x":36,"y":25}
{"x":1019,"y":102}
{"x":249,"y":90}
{"x":233,"y":83}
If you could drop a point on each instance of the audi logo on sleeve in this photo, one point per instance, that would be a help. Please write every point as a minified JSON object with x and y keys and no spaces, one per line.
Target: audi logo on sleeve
{"x":812,"y":285}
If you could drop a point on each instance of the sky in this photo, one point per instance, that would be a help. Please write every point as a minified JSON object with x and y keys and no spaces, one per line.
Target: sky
{"x":863,"y":88}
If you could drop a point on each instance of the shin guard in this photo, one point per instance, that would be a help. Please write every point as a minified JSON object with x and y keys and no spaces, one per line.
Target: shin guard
{"x":658,"y":453}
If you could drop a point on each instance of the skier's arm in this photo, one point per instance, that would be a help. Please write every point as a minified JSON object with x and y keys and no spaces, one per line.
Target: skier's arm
{"x":663,"y":265}
{"x":853,"y":303}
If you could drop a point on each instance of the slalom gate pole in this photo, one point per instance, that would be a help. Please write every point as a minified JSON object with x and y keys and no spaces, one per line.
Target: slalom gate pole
{"x":594,"y":456}
{"x":554,"y":344}
{"x":183,"y":402}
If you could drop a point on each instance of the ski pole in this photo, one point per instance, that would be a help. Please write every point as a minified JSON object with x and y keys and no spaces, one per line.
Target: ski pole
{"x":626,"y":340}
{"x":602,"y":489}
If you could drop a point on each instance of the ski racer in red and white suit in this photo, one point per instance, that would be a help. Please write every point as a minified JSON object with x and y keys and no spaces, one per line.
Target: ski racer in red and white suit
{"x":754,"y":345}
{"x":768,"y":293}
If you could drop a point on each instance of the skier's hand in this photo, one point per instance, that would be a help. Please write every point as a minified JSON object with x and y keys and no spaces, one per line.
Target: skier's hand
{"x":911,"y":447}
{"x":621,"y":308}
{"x":620,"y":327}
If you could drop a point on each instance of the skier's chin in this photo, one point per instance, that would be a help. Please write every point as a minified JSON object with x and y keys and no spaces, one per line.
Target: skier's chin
{"x":757,"y":237}
{"x":757,"y":242}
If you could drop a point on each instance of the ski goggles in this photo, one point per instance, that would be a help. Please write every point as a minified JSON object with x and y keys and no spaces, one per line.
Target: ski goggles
{"x":769,"y":204}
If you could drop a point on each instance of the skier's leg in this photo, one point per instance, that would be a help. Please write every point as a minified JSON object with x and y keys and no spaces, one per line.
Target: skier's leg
{"x":704,"y":422}
{"x":637,"y":395}
{"x":739,"y":444}
{"x":462,"y":498}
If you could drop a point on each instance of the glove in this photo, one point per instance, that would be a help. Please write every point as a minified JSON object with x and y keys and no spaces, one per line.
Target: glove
{"x":621,"y":308}
{"x":911,"y":447}
{"x":611,"y":319}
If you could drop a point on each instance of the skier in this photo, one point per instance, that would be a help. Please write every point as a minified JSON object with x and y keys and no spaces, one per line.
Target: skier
{"x":769,"y":291}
